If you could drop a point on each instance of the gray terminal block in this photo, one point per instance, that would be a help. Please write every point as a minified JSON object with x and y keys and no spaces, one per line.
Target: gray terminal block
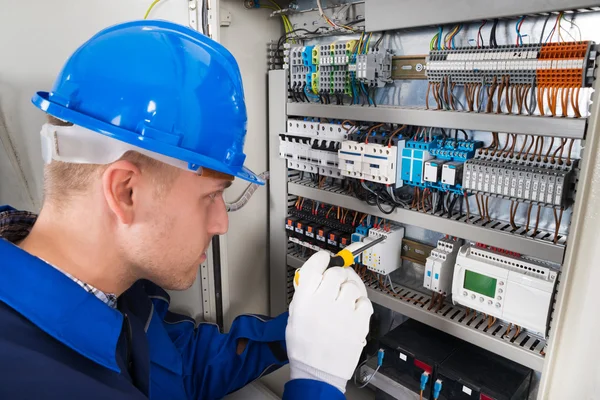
{"x":545,"y":184}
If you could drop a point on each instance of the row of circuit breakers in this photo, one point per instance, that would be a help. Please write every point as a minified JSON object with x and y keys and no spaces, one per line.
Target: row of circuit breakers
{"x":446,"y":164}
{"x":492,"y":281}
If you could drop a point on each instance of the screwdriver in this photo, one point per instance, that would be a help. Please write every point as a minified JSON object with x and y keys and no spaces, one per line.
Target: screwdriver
{"x":345,"y":257}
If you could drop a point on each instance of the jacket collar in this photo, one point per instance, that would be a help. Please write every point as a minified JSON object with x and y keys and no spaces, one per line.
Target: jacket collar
{"x":59,"y":306}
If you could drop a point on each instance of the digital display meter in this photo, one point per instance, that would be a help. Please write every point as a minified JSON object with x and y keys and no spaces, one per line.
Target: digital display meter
{"x":479,"y":283}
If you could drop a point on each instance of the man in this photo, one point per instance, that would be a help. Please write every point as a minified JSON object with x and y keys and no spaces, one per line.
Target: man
{"x":146,"y":129}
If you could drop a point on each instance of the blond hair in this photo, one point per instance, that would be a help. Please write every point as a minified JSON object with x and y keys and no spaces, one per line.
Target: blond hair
{"x":64,"y":180}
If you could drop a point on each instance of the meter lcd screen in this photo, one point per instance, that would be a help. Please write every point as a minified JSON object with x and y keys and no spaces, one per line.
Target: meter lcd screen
{"x":481,"y":284}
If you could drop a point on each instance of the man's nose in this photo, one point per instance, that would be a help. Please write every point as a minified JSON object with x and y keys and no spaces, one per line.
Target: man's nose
{"x":219,"y":220}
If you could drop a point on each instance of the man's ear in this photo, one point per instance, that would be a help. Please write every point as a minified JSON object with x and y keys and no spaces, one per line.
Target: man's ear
{"x":120,"y":181}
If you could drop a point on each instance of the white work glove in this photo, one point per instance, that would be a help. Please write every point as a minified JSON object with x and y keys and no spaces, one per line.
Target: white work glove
{"x":328,"y":322}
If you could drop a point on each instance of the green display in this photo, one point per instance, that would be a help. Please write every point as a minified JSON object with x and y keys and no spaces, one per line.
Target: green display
{"x":481,"y":284}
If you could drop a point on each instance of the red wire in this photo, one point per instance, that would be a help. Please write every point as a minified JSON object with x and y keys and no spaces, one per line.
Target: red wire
{"x":519,"y":29}
{"x":554,"y":28}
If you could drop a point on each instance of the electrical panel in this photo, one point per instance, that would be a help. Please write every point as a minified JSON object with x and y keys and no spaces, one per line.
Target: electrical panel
{"x":504,"y":286}
{"x":473,"y":140}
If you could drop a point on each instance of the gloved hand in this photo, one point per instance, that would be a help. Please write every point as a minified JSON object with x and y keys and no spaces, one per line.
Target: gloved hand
{"x":328,"y":322}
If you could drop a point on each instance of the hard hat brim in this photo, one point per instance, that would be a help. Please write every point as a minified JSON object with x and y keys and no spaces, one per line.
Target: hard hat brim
{"x":42,"y":100}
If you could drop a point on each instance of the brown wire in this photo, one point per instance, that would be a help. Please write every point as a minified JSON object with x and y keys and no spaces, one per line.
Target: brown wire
{"x":490,"y":91}
{"x":527,"y":89}
{"x":559,"y":148}
{"x":529,"y":148}
{"x":510,"y":95}
{"x":505,"y":145}
{"x":427,"y":96}
{"x":557,"y":221}
{"x":540,"y":99}
{"x":569,"y":152}
{"x":466,"y":197}
{"x":537,"y":220}
{"x":487,"y":208}
{"x":564,"y":100}
{"x":519,"y":98}
{"x":499,"y":96}
{"x":537,"y":142}
{"x":575,"y":103}
{"x":479,"y":206}
{"x":528,"y":217}
{"x":549,"y":149}
{"x":441,"y":303}
{"x":523,"y":147}
{"x":517,"y":332}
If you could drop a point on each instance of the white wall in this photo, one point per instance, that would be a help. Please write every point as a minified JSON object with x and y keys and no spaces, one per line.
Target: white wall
{"x":36,"y":38}
{"x":248,"y":275}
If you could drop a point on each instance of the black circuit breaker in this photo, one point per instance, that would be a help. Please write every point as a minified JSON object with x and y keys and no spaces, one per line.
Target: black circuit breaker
{"x":413,"y":348}
{"x":472,"y":373}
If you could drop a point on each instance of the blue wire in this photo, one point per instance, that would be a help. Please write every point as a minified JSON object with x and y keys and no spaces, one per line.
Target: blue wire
{"x":459,"y":29}
{"x":439,"y":44}
{"x":518,"y":31}
{"x":550,"y":34}
{"x":311,"y":95}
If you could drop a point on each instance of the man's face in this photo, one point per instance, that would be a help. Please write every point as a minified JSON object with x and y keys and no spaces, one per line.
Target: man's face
{"x":172,"y":231}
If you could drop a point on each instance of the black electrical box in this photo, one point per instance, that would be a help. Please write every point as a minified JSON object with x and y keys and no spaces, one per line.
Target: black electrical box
{"x":322,"y":234}
{"x":310,"y":232}
{"x":413,"y":348}
{"x":472,"y":373}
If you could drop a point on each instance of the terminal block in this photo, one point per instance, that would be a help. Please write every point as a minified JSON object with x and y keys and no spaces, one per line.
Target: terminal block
{"x":384,"y":257}
{"x":544,"y":184}
{"x":564,"y":64}
{"x":439,"y":267}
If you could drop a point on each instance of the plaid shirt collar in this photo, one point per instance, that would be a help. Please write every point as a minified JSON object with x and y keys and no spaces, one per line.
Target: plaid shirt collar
{"x":15,"y":226}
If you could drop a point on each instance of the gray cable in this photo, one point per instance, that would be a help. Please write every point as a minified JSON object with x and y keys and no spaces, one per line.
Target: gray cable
{"x":246,"y":195}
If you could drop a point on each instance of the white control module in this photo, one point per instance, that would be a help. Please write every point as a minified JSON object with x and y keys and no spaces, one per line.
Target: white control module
{"x":506,"y":287}
{"x":384,"y":257}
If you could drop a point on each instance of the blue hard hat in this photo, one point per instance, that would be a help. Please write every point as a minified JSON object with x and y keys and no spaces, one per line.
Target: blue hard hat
{"x":159,"y":86}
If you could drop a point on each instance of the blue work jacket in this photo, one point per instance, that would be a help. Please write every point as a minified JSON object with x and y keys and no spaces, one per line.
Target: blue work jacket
{"x":57,"y":341}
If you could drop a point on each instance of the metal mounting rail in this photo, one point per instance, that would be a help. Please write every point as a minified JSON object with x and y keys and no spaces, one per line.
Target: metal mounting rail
{"x":524,"y":124}
{"x":493,"y":233}
{"x":524,"y":349}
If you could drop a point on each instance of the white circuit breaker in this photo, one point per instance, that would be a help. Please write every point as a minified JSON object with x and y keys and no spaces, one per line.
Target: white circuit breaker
{"x":510,"y":288}
{"x":384,"y":257}
{"x":439,"y":268}
{"x":370,"y":161}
